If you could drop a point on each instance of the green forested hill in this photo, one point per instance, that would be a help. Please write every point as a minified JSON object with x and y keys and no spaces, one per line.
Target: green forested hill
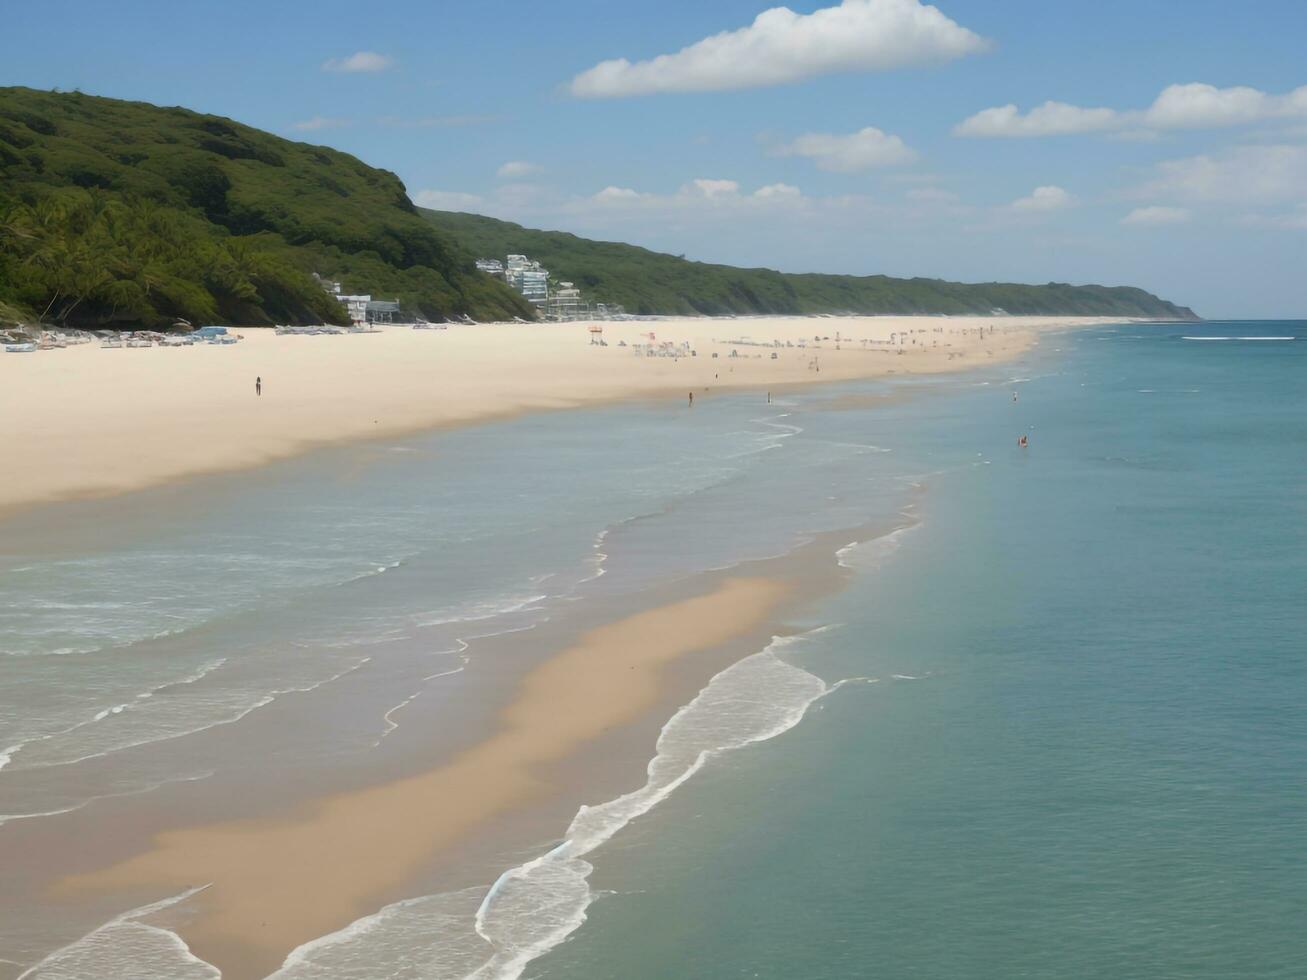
{"x":117,"y":212}
{"x":651,"y":282}
{"x":124,"y":212}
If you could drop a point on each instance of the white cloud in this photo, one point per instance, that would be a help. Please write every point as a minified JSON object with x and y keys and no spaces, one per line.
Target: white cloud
{"x":1191,"y":106}
{"x":618,"y":194}
{"x":782,"y":46}
{"x":698,"y":196}
{"x":518,"y":168}
{"x":319,"y":122}
{"x":1051,"y":118}
{"x":359,"y":61}
{"x":715,"y":188}
{"x":862,"y":150}
{"x":447,"y":201}
{"x":779,"y":192}
{"x":1204,"y":106}
{"x":1047,"y":198}
{"x":1157,"y":214}
{"x":1241,"y":175}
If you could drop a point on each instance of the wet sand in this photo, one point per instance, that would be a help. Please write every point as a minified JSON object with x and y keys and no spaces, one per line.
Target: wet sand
{"x":282,"y":880}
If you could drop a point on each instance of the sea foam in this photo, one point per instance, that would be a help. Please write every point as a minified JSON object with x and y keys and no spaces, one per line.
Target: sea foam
{"x":127,"y":946}
{"x":535,"y":906}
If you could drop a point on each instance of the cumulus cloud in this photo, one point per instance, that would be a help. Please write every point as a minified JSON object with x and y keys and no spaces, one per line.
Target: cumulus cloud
{"x":447,"y":200}
{"x":782,"y":46}
{"x":1191,"y":106}
{"x":1157,"y":214}
{"x":359,"y":61}
{"x":1051,"y":118}
{"x":610,"y":195}
{"x":1201,"y":106}
{"x":779,"y":192}
{"x":319,"y":122}
{"x":700,"y":194}
{"x":715,"y":188}
{"x":1241,"y":175}
{"x":517,"y":168}
{"x":863,"y":150}
{"x":1041,"y":199}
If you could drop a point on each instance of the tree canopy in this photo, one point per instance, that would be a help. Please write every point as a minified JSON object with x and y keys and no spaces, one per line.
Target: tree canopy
{"x":652,"y":282}
{"x":117,"y":212}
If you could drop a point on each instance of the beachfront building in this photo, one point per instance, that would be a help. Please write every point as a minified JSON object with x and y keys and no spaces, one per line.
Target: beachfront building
{"x":357,"y":307}
{"x":529,"y":278}
{"x":382,"y":311}
{"x":565,"y":304}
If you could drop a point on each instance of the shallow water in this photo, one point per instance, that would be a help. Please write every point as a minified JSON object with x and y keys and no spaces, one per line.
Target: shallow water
{"x":1087,"y":755}
{"x":1081,"y":753}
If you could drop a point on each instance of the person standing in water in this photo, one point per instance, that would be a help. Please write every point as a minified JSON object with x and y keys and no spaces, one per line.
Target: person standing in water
{"x":258,"y":386}
{"x":692,"y":399}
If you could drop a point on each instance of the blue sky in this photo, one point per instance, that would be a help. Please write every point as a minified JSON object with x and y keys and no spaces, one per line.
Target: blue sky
{"x":868,"y":136}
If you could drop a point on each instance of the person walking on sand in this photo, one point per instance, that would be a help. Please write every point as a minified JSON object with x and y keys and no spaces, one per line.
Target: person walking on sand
{"x":258,"y":386}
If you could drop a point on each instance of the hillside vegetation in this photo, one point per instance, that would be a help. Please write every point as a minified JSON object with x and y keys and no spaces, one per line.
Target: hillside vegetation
{"x":125,"y":213}
{"x":651,"y":282}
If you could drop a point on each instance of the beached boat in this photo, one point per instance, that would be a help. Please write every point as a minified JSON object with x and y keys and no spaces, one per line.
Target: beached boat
{"x":20,"y":348}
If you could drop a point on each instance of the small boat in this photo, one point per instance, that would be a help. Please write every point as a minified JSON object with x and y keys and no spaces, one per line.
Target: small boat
{"x":112,"y":343}
{"x":20,"y":348}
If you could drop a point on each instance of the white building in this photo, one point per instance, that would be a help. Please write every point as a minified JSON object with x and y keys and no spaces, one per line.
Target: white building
{"x":528,"y":278}
{"x":357,"y":307}
{"x":566,"y":303}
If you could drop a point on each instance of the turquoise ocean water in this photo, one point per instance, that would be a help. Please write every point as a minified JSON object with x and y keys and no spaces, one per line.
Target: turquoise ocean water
{"x":1052,"y":727}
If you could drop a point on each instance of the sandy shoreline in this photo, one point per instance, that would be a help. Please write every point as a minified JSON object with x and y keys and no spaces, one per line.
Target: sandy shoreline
{"x":281,"y":881}
{"x":89,"y":422}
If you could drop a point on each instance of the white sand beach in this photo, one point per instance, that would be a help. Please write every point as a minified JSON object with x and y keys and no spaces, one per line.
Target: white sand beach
{"x":87,"y":421}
